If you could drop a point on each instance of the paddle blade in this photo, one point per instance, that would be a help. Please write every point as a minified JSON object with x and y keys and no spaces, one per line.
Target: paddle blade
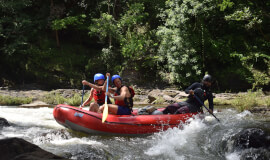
{"x":105,"y":113}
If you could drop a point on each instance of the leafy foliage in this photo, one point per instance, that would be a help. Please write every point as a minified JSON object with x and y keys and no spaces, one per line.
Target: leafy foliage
{"x":58,"y":43}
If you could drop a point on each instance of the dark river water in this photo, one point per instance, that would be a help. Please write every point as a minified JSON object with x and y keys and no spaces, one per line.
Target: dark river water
{"x":200,"y":139}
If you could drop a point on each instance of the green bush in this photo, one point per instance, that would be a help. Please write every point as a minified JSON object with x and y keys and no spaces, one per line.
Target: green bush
{"x":8,"y":100}
{"x":56,"y":98}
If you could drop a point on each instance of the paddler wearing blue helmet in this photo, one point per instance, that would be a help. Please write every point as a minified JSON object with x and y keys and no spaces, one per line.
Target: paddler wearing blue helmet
{"x":97,"y":92}
{"x":122,"y":95}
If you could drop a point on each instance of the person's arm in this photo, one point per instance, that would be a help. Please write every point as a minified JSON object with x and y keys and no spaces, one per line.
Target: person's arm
{"x":190,"y":89}
{"x":89,"y":98}
{"x":122,"y":96}
{"x":112,"y":90}
{"x":84,"y":82}
{"x":105,"y":83}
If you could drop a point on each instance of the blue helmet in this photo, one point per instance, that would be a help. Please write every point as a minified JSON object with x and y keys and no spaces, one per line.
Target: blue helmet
{"x":98,"y":76}
{"x":115,"y":77}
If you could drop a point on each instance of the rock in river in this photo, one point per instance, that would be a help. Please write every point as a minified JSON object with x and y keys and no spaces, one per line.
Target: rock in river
{"x":19,"y":149}
{"x":3,"y":123}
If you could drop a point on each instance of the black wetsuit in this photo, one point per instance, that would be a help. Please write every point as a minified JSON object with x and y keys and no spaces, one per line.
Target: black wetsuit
{"x":207,"y":95}
{"x":191,"y":104}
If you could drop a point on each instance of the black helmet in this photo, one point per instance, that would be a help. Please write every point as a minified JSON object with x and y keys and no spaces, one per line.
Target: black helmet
{"x":207,"y":78}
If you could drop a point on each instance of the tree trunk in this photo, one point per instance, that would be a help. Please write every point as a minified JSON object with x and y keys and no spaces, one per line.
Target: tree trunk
{"x":109,"y":12}
{"x":56,"y":32}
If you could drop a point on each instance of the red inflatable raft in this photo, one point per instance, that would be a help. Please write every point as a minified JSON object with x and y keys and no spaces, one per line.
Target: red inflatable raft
{"x":90,"y":122}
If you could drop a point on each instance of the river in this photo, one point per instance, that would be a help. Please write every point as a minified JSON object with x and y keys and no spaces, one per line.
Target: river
{"x":200,"y":139}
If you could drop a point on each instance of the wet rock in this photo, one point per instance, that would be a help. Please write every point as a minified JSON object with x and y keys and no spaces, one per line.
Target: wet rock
{"x":154,"y":94}
{"x":36,"y":104}
{"x":19,"y":149}
{"x":3,"y":123}
{"x":253,"y":138}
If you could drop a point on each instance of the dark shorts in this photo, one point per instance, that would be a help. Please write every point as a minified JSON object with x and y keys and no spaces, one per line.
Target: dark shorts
{"x":123,"y":110}
{"x":100,"y":104}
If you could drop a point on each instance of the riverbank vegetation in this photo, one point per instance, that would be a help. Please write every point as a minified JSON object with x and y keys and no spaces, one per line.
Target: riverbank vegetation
{"x":173,"y":42}
{"x":52,"y":98}
{"x":12,"y":101}
{"x":246,"y":101}
{"x":241,"y":101}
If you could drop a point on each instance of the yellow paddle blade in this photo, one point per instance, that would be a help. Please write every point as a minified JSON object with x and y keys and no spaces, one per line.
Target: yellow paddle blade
{"x":105,"y":113}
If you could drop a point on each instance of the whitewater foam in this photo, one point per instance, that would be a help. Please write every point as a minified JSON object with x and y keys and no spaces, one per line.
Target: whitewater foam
{"x":172,"y":142}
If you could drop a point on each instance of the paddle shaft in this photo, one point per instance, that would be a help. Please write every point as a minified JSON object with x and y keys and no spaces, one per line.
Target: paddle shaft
{"x":82,"y":94}
{"x":107,"y":86}
{"x":205,"y":107}
{"x":105,"y":110}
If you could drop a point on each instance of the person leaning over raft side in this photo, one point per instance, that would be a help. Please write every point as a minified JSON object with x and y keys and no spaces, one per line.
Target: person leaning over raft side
{"x":122,"y":98}
{"x":191,"y":105}
{"x":97,"y":92}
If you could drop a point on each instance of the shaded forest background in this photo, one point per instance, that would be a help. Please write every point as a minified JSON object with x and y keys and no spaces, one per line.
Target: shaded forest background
{"x":150,"y":43}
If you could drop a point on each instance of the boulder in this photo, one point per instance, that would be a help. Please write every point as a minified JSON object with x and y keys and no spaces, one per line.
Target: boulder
{"x":169,"y":99}
{"x":171,"y":93}
{"x":19,"y":149}
{"x":3,"y":123}
{"x":154,"y":94}
{"x":140,"y":99}
{"x":252,"y":138}
{"x":169,"y":96}
{"x":35,"y":104}
{"x":181,"y":95}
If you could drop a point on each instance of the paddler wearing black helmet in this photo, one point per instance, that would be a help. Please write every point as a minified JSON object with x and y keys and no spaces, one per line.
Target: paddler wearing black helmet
{"x":201,"y":90}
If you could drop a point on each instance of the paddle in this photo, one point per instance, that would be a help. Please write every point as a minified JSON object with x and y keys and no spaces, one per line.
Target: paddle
{"x":205,"y":107}
{"x":105,"y":111}
{"x":82,"y":97}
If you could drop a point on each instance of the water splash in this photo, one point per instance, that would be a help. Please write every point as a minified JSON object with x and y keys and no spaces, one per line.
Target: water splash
{"x":233,"y":156}
{"x":243,"y":114}
{"x":174,"y":142}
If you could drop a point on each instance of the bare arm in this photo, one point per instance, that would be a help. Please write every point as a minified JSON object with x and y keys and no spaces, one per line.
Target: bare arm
{"x":124,"y":93}
{"x":112,"y":90}
{"x":104,"y":86}
{"x":84,"y":82}
{"x":89,"y":98}
{"x":105,"y":83}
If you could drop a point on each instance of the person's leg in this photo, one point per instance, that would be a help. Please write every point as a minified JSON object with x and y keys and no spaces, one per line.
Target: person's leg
{"x":94,"y":107}
{"x":172,"y":108}
{"x":112,"y":108}
{"x":182,"y":110}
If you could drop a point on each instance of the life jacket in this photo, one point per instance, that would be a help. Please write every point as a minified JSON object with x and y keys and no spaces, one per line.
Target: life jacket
{"x":99,"y":97}
{"x":127,"y":102}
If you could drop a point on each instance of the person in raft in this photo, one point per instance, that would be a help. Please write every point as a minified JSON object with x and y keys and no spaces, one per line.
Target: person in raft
{"x":123,"y":97}
{"x":97,"y":92}
{"x":201,"y":90}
